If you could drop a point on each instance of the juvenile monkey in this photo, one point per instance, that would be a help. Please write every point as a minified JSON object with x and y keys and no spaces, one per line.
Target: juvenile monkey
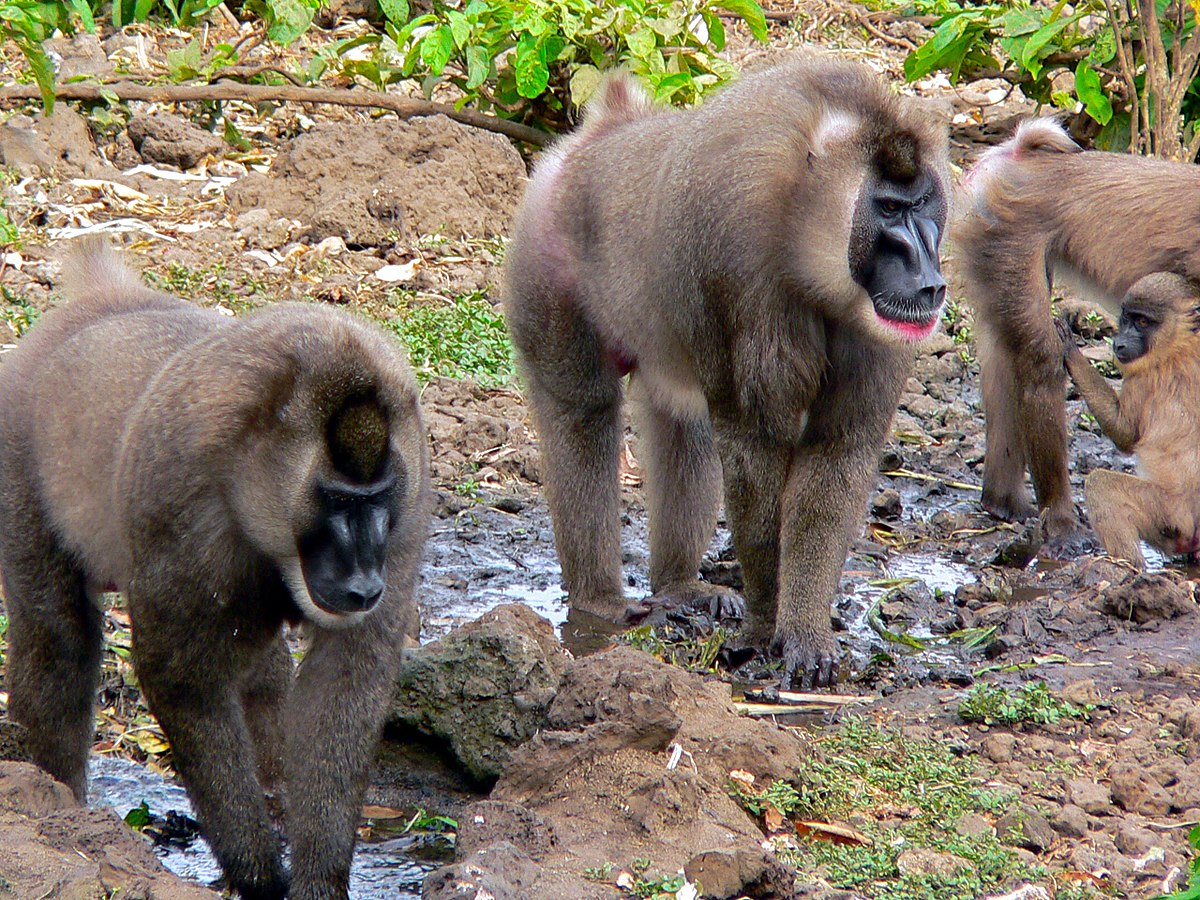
{"x":228,"y":476}
{"x":1035,"y":208}
{"x":1156,"y":416}
{"x":761,"y":267}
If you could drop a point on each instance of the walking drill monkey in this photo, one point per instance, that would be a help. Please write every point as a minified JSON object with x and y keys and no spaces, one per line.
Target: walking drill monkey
{"x":761,"y":267}
{"x":1156,"y":416}
{"x":1038,"y":206}
{"x":228,"y":476}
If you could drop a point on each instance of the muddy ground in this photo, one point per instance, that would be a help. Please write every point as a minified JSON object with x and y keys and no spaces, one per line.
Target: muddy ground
{"x":340,"y":207}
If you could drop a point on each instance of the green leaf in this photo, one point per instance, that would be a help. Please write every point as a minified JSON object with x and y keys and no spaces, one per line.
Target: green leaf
{"x":138,"y":817}
{"x":1091,"y":94}
{"x":394,"y":10}
{"x":83,"y":9}
{"x":716,"y":29}
{"x":436,"y":48}
{"x":584,"y":81}
{"x":530,"y":68}
{"x":1104,"y":49}
{"x":750,"y":12}
{"x":460,"y":28}
{"x":1021,"y":21}
{"x":641,"y":42}
{"x":478,"y":66}
{"x":43,"y":73}
{"x":669,"y":86}
{"x":289,"y":20}
{"x":1039,"y":44}
{"x":141,"y":10}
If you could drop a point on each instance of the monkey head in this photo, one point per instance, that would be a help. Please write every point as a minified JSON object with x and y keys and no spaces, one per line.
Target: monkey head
{"x":1158,"y":310}
{"x":896,"y":229}
{"x":321,"y":485}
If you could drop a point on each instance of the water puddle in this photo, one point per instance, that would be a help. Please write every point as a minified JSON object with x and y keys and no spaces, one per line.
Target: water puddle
{"x":380,"y":871}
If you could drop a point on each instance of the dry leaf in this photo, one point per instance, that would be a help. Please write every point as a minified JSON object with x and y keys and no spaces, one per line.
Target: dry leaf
{"x":741,"y":776}
{"x":382,"y":812}
{"x":836,"y":834}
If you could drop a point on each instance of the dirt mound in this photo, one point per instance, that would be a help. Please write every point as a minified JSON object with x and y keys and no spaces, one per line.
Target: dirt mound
{"x":51,"y":848}
{"x":634,"y":763}
{"x":381,"y":182}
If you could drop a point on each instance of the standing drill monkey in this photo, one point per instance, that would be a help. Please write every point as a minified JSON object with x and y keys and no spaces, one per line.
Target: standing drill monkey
{"x":1031,"y":209}
{"x":228,"y":476}
{"x":761,"y":267}
{"x":1156,"y":416}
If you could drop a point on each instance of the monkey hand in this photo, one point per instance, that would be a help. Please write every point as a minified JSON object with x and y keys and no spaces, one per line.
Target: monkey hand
{"x":809,"y":660}
{"x":1069,"y":347}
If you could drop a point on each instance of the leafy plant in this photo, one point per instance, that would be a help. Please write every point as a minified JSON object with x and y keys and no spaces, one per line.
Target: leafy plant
{"x":695,"y":652}
{"x":1192,"y":891}
{"x":27,"y":23}
{"x":1134,"y":62}
{"x":992,"y":704}
{"x":17,"y":311}
{"x":533,"y":61}
{"x":463,"y":337}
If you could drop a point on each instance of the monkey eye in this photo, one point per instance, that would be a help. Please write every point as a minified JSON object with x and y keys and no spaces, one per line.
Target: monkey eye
{"x":890,"y":206}
{"x":1141,"y":323}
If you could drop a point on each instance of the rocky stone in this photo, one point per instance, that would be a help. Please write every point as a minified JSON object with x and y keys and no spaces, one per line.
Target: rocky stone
{"x":173,"y":140}
{"x":1148,"y":597}
{"x":974,"y":825}
{"x":484,"y":689}
{"x":14,"y":742}
{"x":998,"y":747}
{"x":78,"y":55}
{"x":1134,"y":840}
{"x":1070,"y":821}
{"x":262,"y":230}
{"x":887,"y":504}
{"x":49,"y":847}
{"x":1094,"y":799}
{"x":60,"y":143}
{"x":932,"y":864}
{"x":1134,"y":790}
{"x":736,"y":873}
{"x":1026,"y":827}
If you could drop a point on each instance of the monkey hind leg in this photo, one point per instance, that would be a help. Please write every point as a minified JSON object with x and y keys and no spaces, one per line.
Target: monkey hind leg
{"x":1004,"y":492}
{"x":1125,"y":509}
{"x":683,"y":495}
{"x":576,"y":403}
{"x":54,"y":644}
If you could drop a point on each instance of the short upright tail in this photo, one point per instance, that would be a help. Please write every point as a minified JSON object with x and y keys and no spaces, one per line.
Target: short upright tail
{"x":93,"y":271}
{"x":1040,"y":135}
{"x":619,"y":99}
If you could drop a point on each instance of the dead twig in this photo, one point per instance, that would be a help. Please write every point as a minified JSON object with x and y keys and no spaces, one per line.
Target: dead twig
{"x":404,"y":107}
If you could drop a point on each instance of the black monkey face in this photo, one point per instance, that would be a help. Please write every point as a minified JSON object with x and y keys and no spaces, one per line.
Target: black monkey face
{"x":1135,"y":331}
{"x":893,"y":252}
{"x":344,"y":552}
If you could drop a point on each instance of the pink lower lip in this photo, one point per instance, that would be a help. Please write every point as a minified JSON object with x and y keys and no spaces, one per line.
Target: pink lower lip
{"x":911,"y":330}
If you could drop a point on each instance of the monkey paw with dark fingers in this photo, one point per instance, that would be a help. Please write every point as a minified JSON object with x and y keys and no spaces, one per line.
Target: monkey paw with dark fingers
{"x":807,"y":664}
{"x":716,"y":602}
{"x":1008,"y":508}
{"x":1066,"y":336}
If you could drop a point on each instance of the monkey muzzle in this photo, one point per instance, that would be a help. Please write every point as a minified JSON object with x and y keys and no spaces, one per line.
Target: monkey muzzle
{"x":343,"y":555}
{"x":905,"y":283}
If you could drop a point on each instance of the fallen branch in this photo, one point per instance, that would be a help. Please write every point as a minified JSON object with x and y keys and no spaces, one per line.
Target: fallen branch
{"x":404,"y":107}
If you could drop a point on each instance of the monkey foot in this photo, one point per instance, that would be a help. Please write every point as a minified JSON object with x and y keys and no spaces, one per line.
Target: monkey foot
{"x":711,"y":600}
{"x":1079,"y":541}
{"x":1008,"y":508}
{"x":807,"y":662}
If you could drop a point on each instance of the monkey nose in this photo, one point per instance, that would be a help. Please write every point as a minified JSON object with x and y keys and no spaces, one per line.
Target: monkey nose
{"x":363,"y":591}
{"x":933,"y":295}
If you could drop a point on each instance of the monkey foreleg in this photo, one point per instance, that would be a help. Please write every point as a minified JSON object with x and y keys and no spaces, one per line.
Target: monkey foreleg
{"x":334,"y":719}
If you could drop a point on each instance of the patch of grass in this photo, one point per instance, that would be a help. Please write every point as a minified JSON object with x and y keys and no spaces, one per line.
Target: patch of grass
{"x":460,"y":337}
{"x":16,"y":311}
{"x":901,"y":794}
{"x":10,"y":234}
{"x":695,"y":652}
{"x":3,"y":639}
{"x":992,"y":705}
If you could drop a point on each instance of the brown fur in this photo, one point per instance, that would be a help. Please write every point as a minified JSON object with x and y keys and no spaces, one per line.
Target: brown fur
{"x":707,"y":250}
{"x":1157,"y":416}
{"x":1031,"y":207}
{"x":163,"y":449}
